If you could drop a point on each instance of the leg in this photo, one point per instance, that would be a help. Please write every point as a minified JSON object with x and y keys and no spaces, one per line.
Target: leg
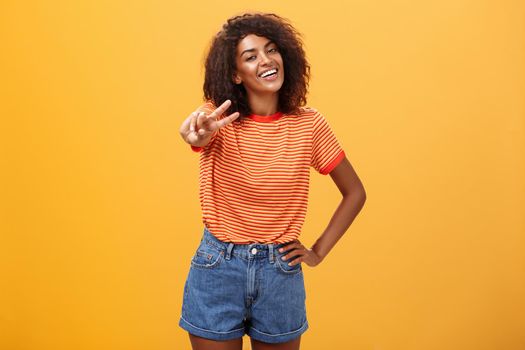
{"x":199,"y":343}
{"x":289,"y":345}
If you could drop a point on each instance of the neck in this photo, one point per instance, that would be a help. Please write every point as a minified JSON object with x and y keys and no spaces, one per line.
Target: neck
{"x":264,"y":104}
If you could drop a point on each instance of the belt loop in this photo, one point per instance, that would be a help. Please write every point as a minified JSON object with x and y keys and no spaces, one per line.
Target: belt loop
{"x":270,"y":246}
{"x":229,"y":250}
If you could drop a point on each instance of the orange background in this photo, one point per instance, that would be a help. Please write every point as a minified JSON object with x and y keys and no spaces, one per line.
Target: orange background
{"x":100,"y":213}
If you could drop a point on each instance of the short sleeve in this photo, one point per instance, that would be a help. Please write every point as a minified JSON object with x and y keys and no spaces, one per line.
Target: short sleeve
{"x":207,"y":107}
{"x":327,"y":152}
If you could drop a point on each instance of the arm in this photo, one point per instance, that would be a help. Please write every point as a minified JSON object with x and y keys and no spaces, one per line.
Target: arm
{"x":354,"y":197}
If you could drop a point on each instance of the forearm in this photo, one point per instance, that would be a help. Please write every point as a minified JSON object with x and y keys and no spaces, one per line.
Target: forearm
{"x":341,"y":220}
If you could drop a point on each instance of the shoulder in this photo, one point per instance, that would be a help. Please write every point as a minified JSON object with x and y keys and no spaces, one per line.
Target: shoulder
{"x":308,"y":112}
{"x":311,"y":114}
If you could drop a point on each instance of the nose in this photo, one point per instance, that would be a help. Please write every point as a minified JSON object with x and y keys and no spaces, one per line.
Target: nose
{"x":265,"y":59}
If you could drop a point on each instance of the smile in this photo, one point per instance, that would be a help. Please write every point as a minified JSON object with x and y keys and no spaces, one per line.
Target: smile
{"x":270,"y":72}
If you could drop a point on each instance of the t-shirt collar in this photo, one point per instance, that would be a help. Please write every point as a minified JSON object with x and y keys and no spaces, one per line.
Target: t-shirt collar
{"x":265,"y":118}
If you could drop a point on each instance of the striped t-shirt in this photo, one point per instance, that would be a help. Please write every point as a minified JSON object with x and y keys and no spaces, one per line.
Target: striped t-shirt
{"x":254,"y":175}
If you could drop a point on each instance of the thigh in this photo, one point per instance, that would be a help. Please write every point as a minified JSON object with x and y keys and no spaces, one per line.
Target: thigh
{"x":289,"y":345}
{"x":198,"y":343}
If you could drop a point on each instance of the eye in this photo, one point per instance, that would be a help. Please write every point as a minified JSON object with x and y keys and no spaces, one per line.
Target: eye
{"x":249,"y":58}
{"x":273,"y":50}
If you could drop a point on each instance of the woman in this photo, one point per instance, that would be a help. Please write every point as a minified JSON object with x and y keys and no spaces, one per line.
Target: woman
{"x":256,"y":149}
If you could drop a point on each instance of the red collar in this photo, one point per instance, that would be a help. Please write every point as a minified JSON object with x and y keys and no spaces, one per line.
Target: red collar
{"x":265,"y":118}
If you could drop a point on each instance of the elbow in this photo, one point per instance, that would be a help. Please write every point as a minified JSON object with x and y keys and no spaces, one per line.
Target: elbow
{"x":362,"y":196}
{"x":358,"y":193}
{"x":362,"y":193}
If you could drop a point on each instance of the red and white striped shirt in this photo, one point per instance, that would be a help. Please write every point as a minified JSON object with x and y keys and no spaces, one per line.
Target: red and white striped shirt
{"x":254,"y":176}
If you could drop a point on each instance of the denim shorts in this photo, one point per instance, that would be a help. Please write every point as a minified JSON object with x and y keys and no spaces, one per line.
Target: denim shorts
{"x":236,"y":289}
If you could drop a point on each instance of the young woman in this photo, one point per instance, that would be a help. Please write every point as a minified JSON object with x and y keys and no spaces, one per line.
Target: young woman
{"x":257,"y":142}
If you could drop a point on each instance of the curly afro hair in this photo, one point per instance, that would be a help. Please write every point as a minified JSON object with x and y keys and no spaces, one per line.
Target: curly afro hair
{"x":220,"y":62}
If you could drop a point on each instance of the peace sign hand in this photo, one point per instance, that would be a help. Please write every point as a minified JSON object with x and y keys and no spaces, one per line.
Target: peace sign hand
{"x":198,"y":128}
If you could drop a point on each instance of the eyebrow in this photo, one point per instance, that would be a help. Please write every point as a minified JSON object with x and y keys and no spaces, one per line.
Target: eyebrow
{"x":250,"y":50}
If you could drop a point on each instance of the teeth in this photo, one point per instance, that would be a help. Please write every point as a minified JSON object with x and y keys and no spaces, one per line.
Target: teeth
{"x":265,"y":74}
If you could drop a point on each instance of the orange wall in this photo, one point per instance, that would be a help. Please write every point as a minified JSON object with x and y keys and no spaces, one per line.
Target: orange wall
{"x":100,"y":211}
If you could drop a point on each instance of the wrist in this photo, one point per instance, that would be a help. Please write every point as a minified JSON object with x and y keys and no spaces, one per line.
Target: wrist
{"x":201,"y":140}
{"x":316,"y":251}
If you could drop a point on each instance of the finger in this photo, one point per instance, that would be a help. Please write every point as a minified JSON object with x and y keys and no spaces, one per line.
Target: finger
{"x":287,"y":247}
{"x":186,"y":124}
{"x":207,"y":120}
{"x":232,"y":117}
{"x":192,"y":127}
{"x":192,"y":122}
{"x":203,"y":131}
{"x":228,"y":119}
{"x":221,"y":109}
{"x":208,"y":124}
{"x":295,"y":261}
{"x":201,"y":118}
{"x":292,"y":254}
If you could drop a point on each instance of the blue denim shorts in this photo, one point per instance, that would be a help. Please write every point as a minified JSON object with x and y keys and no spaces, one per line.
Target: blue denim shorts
{"x":236,"y":289}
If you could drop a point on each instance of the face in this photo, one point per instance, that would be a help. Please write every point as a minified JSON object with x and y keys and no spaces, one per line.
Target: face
{"x":255,"y":56}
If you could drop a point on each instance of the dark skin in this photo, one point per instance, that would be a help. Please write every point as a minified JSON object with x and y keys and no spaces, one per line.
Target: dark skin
{"x":354,"y":197}
{"x":255,"y":55}
{"x":199,"y":343}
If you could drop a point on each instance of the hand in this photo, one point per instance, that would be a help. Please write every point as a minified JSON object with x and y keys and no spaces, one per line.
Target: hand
{"x":301,"y":254}
{"x":199,"y":126}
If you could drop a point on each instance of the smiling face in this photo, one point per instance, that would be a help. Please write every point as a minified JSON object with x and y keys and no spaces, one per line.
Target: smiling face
{"x":255,"y":56}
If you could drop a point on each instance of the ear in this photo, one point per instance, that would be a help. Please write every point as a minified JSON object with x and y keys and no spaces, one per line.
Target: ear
{"x":236,"y":79}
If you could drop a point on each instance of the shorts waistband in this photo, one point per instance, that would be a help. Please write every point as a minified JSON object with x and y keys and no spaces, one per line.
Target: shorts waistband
{"x":252,"y":249}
